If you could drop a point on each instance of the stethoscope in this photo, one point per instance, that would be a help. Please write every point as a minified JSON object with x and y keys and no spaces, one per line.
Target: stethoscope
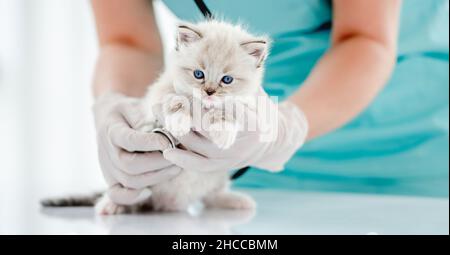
{"x":173,"y":142}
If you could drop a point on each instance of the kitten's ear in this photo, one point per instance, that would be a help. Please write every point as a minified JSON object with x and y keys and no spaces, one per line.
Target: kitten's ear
{"x":258,"y":49}
{"x":186,"y":34}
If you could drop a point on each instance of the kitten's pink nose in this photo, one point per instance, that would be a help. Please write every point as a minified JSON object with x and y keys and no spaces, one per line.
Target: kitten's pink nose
{"x":210,"y":92}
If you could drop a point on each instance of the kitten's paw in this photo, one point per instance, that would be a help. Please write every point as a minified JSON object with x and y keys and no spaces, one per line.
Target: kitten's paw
{"x":223,"y":134}
{"x":107,"y":207}
{"x":231,"y":200}
{"x":178,"y":124}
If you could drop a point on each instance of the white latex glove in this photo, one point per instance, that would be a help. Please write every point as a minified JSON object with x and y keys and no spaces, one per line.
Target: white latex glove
{"x":289,"y":133}
{"x":130,"y":160}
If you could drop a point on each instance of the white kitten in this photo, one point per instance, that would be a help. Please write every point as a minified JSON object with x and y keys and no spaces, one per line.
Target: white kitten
{"x":220,"y":61}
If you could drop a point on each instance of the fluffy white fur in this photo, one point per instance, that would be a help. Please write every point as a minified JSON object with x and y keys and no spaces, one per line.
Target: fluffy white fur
{"x":217,"y":49}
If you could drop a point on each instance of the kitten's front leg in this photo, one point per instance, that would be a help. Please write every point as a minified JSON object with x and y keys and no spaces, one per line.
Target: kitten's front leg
{"x":223,"y":128}
{"x":177,"y":115}
{"x":149,"y":121}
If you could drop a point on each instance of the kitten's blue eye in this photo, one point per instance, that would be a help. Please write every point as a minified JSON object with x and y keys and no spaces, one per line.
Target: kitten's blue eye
{"x":199,"y":74}
{"x":227,"y":79}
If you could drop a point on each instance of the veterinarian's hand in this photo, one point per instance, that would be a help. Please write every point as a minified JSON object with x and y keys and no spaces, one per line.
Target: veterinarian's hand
{"x":270,"y":149}
{"x":130,"y":160}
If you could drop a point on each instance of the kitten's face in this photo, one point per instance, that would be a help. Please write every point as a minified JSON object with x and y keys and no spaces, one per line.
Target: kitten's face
{"x":219,"y":60}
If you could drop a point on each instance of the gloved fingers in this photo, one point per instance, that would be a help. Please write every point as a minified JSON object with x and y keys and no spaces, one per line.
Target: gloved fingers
{"x":189,"y":160}
{"x":140,"y":163}
{"x":114,"y":175}
{"x":125,"y":196}
{"x":199,"y":144}
{"x":147,"y":179}
{"x":106,"y":164}
{"x":132,"y":112}
{"x":132,"y":140}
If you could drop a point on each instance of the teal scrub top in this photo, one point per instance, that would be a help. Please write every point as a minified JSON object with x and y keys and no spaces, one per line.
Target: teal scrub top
{"x":400,"y":143}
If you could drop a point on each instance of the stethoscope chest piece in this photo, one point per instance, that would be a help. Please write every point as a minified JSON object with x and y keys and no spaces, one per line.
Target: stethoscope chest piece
{"x":172,"y":140}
